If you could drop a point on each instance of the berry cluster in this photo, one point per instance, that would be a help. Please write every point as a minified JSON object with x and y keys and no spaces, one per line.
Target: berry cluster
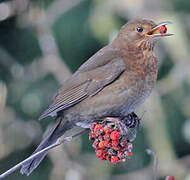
{"x":110,"y":142}
{"x":162,"y":29}
{"x":170,"y":178}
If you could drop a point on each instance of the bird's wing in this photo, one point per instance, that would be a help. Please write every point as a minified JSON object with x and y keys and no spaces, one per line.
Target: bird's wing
{"x":101,"y":58}
{"x":87,"y":81}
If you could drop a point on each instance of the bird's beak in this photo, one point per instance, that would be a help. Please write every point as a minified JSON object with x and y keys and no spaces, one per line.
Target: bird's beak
{"x":154,"y":32}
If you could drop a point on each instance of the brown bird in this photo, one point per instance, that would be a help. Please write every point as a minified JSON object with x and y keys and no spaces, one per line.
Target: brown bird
{"x":112,"y":83}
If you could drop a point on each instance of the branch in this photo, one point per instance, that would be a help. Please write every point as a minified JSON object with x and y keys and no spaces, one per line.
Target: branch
{"x":155,"y":165}
{"x":57,"y":143}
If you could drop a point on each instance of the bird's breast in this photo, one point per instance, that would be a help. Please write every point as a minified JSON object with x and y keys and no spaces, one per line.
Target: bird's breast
{"x":119,"y":98}
{"x":143,"y":78}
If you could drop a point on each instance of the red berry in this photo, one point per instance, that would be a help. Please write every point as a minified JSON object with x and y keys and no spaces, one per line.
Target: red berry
{"x":116,"y":148}
{"x":114,"y":159}
{"x":129,"y":154}
{"x":123,"y":149}
{"x":107,"y":130}
{"x":102,"y":144}
{"x":121,"y":155}
{"x":162,"y":29}
{"x":111,"y":152}
{"x":100,"y":138}
{"x":123,"y":160}
{"x":115,"y":143}
{"x":102,"y":157}
{"x":108,"y":157}
{"x":129,"y":146}
{"x":99,"y":153}
{"x":107,"y":144}
{"x":95,"y":144}
{"x":106,"y":137}
{"x":104,"y":154}
{"x":92,"y":126}
{"x":115,"y":135}
{"x":92,"y":135}
{"x":97,"y":127}
{"x":170,"y":178}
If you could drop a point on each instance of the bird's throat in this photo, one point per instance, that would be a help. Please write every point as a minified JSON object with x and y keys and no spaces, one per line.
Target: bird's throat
{"x":140,"y":57}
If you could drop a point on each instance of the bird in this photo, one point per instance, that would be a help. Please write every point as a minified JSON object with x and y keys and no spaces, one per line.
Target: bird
{"x":114,"y":82}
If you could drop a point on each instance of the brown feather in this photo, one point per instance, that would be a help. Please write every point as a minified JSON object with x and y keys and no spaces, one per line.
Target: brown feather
{"x":87,"y":81}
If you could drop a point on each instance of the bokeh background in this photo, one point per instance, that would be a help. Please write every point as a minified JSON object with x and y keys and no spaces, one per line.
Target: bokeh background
{"x":43,"y":41}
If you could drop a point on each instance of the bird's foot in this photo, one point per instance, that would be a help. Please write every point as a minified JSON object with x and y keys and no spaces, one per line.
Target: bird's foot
{"x":132,"y":121}
{"x":128,"y":125}
{"x":133,"y":124}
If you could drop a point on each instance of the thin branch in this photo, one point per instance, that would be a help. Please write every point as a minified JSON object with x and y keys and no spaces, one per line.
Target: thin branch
{"x":155,"y":165}
{"x":57,"y":143}
{"x":52,"y":59}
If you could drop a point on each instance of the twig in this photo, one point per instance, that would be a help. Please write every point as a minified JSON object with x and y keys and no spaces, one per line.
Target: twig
{"x":52,"y":59}
{"x":57,"y":143}
{"x":155,"y":165}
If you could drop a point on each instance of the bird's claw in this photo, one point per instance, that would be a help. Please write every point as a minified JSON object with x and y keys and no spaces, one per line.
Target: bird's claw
{"x":133,"y":124}
{"x":132,"y":121}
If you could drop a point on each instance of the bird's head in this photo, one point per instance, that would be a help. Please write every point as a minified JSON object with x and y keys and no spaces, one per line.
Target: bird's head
{"x":143,"y":30}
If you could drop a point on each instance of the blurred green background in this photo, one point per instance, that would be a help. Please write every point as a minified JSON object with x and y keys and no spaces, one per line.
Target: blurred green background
{"x":42,"y":42}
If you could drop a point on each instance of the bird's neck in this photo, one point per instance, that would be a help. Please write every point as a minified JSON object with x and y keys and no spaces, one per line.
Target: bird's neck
{"x":133,"y":49}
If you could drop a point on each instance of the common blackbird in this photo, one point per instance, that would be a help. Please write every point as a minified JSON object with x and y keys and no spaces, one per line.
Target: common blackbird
{"x":112,"y":83}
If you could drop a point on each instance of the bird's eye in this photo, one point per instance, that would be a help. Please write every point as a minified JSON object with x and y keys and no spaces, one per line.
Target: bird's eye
{"x":140,"y":29}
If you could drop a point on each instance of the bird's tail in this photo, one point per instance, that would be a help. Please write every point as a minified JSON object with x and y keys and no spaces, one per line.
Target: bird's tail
{"x":58,"y":128}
